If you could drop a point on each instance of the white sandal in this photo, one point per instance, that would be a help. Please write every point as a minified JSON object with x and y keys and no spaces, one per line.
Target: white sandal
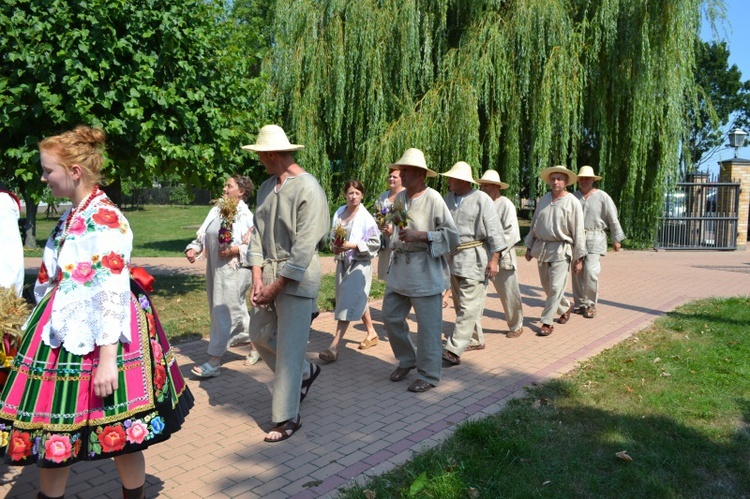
{"x":206,"y":371}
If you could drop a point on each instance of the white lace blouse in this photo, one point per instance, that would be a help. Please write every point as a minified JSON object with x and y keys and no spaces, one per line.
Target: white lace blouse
{"x":88,"y":261}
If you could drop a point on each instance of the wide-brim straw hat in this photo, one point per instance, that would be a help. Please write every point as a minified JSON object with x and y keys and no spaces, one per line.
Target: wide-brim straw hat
{"x":558,"y":169}
{"x":272,"y":138}
{"x":493,"y":178}
{"x":413,"y":157}
{"x":587,"y":171}
{"x":460,"y":171}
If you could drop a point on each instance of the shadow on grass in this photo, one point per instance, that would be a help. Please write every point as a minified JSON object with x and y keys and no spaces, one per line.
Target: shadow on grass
{"x":547,"y":444}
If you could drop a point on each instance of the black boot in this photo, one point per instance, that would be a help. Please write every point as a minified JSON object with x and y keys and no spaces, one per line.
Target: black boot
{"x":136,"y":493}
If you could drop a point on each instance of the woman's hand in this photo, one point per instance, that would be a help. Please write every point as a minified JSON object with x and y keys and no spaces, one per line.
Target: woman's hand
{"x":229,"y":252}
{"x":190,"y":254}
{"x":105,"y":377}
{"x":386,"y":229}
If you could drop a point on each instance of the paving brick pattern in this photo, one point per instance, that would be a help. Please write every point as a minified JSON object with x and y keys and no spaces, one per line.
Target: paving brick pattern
{"x":356,"y":422}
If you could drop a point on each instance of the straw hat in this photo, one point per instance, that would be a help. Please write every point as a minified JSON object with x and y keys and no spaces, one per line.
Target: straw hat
{"x":413,"y":157}
{"x":587,"y":171}
{"x":558,"y":169}
{"x":492,"y":177}
{"x":272,"y":138}
{"x":460,"y":171}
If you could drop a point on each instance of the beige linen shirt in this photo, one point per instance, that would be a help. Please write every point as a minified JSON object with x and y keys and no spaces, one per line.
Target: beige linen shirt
{"x":476,"y":219}
{"x":556,"y":231}
{"x":599,"y":214}
{"x":420,"y":269}
{"x":289,"y":225}
{"x":506,"y":213}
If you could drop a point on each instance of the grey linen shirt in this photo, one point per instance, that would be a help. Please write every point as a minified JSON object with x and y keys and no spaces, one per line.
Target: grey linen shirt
{"x":289,"y":224}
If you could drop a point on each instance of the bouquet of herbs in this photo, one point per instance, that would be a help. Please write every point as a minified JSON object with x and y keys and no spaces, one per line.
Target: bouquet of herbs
{"x":397,"y":214}
{"x":13,"y":313}
{"x":339,"y":235}
{"x":381,"y":212}
{"x":227,"y":212}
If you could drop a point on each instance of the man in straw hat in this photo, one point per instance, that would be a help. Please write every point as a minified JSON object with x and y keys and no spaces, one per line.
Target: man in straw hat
{"x":506,"y":279}
{"x":599,"y":214}
{"x":418,"y":274}
{"x":475,"y":260}
{"x":291,"y":218}
{"x":556,"y":239}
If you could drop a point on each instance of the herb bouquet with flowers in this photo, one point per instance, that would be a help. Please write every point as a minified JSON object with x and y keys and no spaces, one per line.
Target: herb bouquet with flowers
{"x":228,"y":212}
{"x":13,"y":313}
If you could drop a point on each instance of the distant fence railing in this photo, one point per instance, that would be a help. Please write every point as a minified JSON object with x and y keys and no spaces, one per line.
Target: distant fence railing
{"x":700,"y":215}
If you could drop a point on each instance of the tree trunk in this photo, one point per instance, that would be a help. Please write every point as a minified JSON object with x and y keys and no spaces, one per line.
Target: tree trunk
{"x":29,"y":230}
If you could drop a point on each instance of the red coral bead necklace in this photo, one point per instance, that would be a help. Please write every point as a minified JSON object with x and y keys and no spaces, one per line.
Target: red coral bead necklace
{"x":78,"y":209}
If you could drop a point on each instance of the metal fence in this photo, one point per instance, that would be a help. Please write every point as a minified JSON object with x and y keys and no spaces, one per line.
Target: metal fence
{"x":700,"y":214}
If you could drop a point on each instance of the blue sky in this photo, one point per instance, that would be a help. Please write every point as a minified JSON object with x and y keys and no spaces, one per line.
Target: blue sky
{"x":736,"y":32}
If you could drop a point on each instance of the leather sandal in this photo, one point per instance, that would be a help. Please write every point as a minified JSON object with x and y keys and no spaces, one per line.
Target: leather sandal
{"x":590,"y":312}
{"x":307,"y":383}
{"x":514,"y":334}
{"x":420,"y":386}
{"x":328,"y":355}
{"x":400,"y":373}
{"x":564,"y":318}
{"x":451,"y":357}
{"x":286,"y":428}
{"x":480,"y":346}
{"x":546,"y":330}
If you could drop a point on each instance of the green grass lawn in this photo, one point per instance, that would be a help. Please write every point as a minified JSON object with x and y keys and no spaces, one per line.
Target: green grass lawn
{"x":157,"y":230}
{"x":675,"y":398}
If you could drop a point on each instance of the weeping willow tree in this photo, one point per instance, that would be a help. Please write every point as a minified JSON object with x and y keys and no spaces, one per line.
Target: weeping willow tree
{"x":514,"y":85}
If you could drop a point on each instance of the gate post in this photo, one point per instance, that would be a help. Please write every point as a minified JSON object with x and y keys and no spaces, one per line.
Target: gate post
{"x":737,"y":170}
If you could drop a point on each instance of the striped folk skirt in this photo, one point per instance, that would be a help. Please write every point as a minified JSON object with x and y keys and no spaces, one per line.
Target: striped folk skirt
{"x":49,"y":414}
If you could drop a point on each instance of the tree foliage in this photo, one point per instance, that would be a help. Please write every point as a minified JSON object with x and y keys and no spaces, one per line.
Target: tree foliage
{"x":511,"y":85}
{"x":169,"y":82}
{"x":720,"y":94}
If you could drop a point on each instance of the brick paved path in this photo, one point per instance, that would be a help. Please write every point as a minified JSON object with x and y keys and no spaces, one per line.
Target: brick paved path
{"x":357,"y":422}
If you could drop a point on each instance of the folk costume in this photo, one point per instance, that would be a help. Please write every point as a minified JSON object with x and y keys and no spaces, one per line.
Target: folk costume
{"x":599,"y":215}
{"x":353,"y":267}
{"x":506,"y":279}
{"x":555,"y":239}
{"x":289,"y":224}
{"x":49,"y":413}
{"x":417,"y":277}
{"x":480,"y":235}
{"x":227,"y":279}
{"x":11,"y":246}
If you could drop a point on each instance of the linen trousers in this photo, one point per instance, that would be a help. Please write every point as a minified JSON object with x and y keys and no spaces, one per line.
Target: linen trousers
{"x":469,"y":297}
{"x":280,"y":334}
{"x":428,"y":353}
{"x":586,"y":282}
{"x":554,"y":277}
{"x":506,"y":285}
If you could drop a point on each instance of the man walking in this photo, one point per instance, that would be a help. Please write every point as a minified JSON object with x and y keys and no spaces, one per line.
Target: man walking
{"x":290,"y":219}
{"x":418,"y":273}
{"x":556,"y":239}
{"x":506,"y":279}
{"x":599,"y":214}
{"x":475,"y":260}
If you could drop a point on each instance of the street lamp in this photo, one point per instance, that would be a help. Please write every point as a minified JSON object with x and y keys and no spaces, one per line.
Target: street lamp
{"x":737,"y":139}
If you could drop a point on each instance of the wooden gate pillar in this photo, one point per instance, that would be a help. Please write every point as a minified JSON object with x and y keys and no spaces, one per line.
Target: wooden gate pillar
{"x":738,"y":170}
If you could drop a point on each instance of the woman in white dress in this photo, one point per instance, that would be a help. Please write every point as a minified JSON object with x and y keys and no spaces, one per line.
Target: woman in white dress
{"x":223,"y":243}
{"x":355,"y":240}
